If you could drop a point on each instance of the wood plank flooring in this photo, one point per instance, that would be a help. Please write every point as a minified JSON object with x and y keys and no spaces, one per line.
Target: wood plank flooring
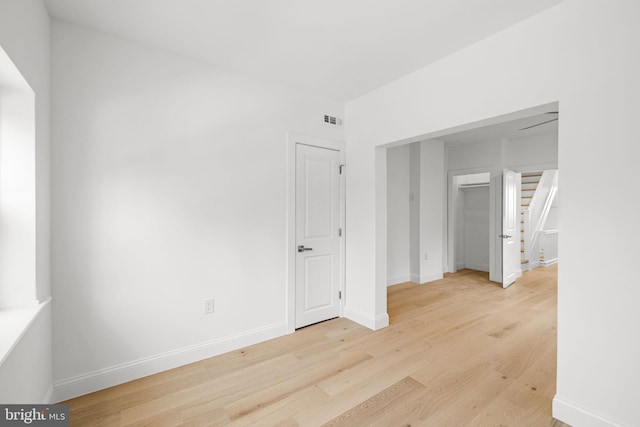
{"x":460,"y":351}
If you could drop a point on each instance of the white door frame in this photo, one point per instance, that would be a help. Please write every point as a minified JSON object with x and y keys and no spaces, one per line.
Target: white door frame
{"x":535,"y":168}
{"x":290,"y":241}
{"x":451,"y":215}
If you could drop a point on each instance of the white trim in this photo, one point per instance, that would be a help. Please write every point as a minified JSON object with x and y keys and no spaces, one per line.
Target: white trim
{"x":97,"y":380}
{"x":15,"y":322}
{"x":380,"y":305}
{"x":290,"y":240}
{"x":415,"y":278}
{"x":398,"y":279}
{"x":48,"y":397}
{"x":431,"y":277}
{"x":535,"y":168}
{"x":23,"y":304}
{"x":479,"y":267}
{"x":373,"y":323}
{"x":573,"y":414}
{"x":533,"y":264}
{"x":359,"y":317}
{"x":381,"y":321}
{"x":451,"y":191}
{"x":549,"y":262}
{"x":550,"y":231}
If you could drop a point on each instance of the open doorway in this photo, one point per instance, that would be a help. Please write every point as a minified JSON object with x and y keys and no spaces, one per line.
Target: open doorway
{"x":523,"y":144}
{"x":532,"y":148}
{"x":473,"y":168}
{"x":471,"y":221}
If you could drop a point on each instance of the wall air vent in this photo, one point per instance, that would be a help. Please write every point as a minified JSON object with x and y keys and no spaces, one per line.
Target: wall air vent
{"x":332,"y":120}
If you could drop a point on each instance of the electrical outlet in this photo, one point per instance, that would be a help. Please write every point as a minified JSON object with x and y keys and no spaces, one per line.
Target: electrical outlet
{"x":208,"y":306}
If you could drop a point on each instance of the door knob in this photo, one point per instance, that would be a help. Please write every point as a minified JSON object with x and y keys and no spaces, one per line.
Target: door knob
{"x":302,"y":249}
{"x":505,"y":236}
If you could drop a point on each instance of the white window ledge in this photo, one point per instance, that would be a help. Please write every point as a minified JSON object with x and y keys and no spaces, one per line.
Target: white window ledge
{"x":14,"y":323}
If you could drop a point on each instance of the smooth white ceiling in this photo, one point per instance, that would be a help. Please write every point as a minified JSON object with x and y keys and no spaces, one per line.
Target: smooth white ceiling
{"x":339,"y":48}
{"x":512,"y":129}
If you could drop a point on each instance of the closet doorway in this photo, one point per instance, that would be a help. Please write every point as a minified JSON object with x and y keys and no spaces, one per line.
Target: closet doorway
{"x":471,"y":228}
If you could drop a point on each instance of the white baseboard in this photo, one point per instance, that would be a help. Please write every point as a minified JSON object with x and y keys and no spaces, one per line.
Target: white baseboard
{"x":549,"y":262}
{"x":478,"y":267}
{"x":374,"y":323}
{"x":431,"y":277}
{"x":533,"y":264}
{"x":398,"y":279}
{"x":415,"y":278}
{"x":48,"y":397}
{"x":108,"y":377}
{"x":381,"y":321}
{"x":574,"y":415}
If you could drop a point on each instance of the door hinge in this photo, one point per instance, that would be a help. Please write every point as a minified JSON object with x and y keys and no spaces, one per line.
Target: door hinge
{"x":339,"y":294}
{"x":340,"y":169}
{"x":339,"y":232}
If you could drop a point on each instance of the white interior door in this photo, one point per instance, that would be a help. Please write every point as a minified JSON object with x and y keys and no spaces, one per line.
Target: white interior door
{"x":317,"y":234}
{"x":510,"y":227}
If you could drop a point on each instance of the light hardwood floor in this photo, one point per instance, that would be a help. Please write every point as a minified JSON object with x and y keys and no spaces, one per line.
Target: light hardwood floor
{"x":460,"y":351}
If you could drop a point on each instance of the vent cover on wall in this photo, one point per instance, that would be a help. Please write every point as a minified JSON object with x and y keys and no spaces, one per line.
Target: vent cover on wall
{"x":332,"y":120}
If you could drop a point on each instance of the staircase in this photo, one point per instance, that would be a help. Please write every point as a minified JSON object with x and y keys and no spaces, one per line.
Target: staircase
{"x":529,"y":185}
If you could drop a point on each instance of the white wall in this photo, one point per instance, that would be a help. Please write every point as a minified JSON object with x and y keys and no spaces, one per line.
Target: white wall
{"x":398,"y":215}
{"x":517,"y":153}
{"x":169,"y":187}
{"x":493,"y":155}
{"x":415,"y":161}
{"x":17,"y":187}
{"x":414,"y":211}
{"x":582,"y":54}
{"x":485,"y":155}
{"x":455,"y":217}
{"x":432,"y":198}
{"x":24,"y":36}
{"x":537,"y":150}
{"x":425,"y":213}
{"x":475,"y":245}
{"x":522,"y":154}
